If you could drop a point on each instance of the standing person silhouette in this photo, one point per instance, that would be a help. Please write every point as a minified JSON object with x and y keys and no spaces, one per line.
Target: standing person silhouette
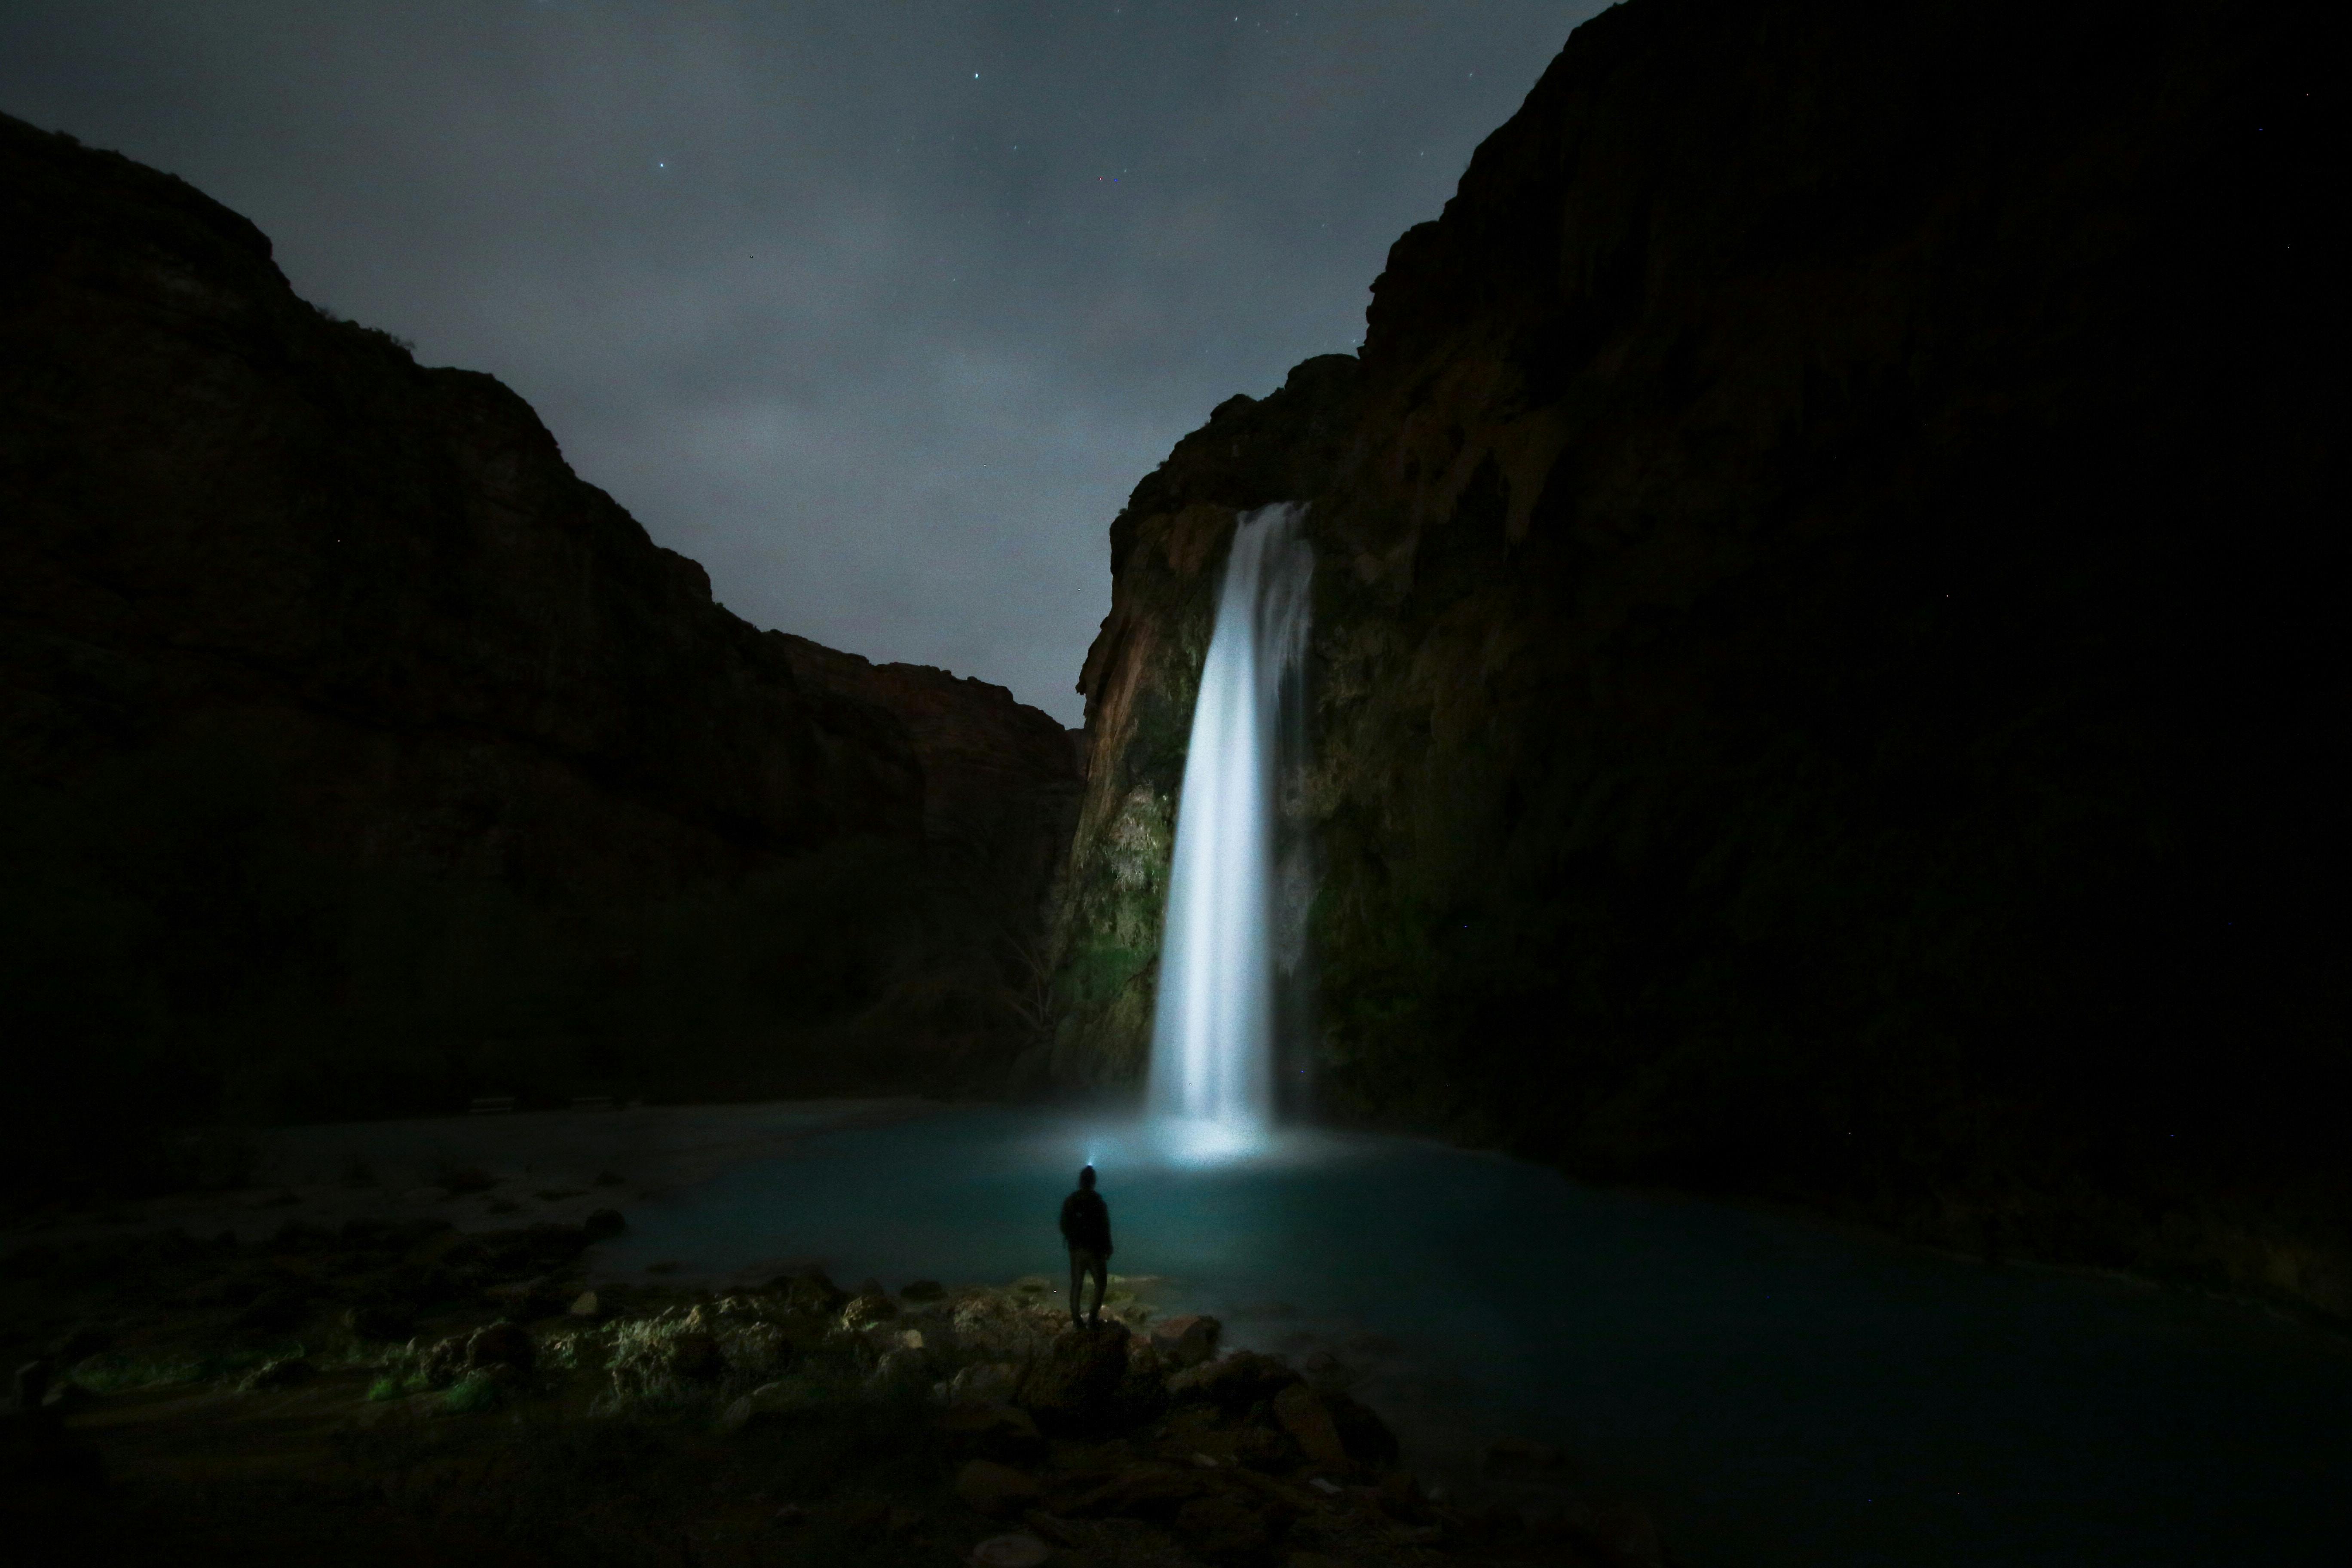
{"x":1085,"y":1226}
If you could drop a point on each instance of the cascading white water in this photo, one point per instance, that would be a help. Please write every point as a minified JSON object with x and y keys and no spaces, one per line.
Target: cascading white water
{"x":1213,"y":1049}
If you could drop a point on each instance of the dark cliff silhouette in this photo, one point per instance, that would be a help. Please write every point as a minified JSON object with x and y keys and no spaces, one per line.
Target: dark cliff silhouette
{"x":355,"y":755}
{"x":1829,"y":662}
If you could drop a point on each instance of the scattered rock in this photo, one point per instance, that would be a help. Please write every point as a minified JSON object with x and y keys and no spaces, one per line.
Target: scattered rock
{"x":1072,"y":1388}
{"x":923,"y":1291}
{"x":1002,"y":1432}
{"x":442,"y":1361}
{"x":1186,"y":1341}
{"x":1149,"y":1491}
{"x":900,"y":1370}
{"x":984,"y":1383}
{"x":1304,"y":1415}
{"x":770,"y":1400}
{"x":995,"y":1490}
{"x":286,"y":1372}
{"x":811,"y":1292}
{"x":1235,"y":1382}
{"x":1011,"y":1552}
{"x":1267,"y":1449}
{"x":1142,"y":1394}
{"x":868,"y":1308}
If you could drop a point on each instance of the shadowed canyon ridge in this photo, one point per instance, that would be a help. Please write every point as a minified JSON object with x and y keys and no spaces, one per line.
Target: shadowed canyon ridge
{"x":1827,"y":667}
{"x":356,"y":756}
{"x":1825,"y":680}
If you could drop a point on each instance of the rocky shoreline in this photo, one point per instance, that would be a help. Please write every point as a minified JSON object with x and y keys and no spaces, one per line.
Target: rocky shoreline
{"x":397,"y":1387}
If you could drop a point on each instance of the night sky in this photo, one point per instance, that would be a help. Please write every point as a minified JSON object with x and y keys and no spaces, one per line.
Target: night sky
{"x":876,"y":308}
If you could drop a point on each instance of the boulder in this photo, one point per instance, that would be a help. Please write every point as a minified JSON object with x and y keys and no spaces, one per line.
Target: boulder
{"x":286,"y":1372}
{"x":923,"y":1291}
{"x":1304,"y":1415}
{"x":1142,"y":1393}
{"x":810,"y":1293}
{"x":1235,"y":1382}
{"x":998,"y":1490}
{"x":1362,"y":1432}
{"x":867,"y":1309}
{"x":984,"y":1382}
{"x":501,"y":1345}
{"x":1072,"y":1388}
{"x":1011,"y":1552}
{"x":1002,"y":1432}
{"x":1186,"y":1341}
{"x":585,"y":1305}
{"x":695,"y":1355}
{"x":769,"y":1399}
{"x":442,"y":1361}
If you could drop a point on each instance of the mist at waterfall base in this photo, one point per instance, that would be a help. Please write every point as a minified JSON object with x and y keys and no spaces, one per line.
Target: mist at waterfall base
{"x":1224,"y":953}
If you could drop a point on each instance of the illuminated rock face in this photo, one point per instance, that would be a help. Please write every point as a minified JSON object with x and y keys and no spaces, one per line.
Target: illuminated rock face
{"x":356,"y":755}
{"x":1825,"y":595}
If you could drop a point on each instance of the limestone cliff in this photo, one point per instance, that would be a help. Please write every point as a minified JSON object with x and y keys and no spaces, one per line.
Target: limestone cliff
{"x":1828,"y":667}
{"x":356,"y":755}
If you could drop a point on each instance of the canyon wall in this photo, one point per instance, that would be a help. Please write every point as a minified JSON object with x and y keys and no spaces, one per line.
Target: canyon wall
{"x":1828,"y":669}
{"x":356,"y":756}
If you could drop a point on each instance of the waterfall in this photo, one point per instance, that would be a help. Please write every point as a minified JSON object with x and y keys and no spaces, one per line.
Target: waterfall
{"x":1213,"y":1047}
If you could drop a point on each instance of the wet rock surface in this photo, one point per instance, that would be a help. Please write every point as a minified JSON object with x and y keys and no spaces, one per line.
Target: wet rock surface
{"x":763,"y":1423}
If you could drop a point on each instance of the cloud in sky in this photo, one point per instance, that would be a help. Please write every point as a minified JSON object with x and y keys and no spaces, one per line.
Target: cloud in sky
{"x":876,"y":308}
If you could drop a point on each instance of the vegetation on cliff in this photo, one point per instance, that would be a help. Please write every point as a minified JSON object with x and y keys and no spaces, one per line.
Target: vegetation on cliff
{"x":1825,"y":641}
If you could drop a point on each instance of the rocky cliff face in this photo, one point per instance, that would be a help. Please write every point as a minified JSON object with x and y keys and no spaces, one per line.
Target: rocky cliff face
{"x":1827,"y":643}
{"x":355,"y":755}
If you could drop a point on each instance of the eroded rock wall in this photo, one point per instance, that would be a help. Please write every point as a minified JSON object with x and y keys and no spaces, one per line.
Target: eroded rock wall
{"x":355,"y":755}
{"x":1825,"y":604}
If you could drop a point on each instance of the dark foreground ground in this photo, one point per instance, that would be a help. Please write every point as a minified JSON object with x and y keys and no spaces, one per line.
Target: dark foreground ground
{"x":398,"y":1390}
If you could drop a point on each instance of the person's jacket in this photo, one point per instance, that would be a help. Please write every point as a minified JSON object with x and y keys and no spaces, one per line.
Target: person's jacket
{"x":1086,"y":1221}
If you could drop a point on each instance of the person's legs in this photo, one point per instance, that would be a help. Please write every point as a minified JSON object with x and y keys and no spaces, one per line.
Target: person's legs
{"x":1100,"y":1266}
{"x":1078,"y":1274}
